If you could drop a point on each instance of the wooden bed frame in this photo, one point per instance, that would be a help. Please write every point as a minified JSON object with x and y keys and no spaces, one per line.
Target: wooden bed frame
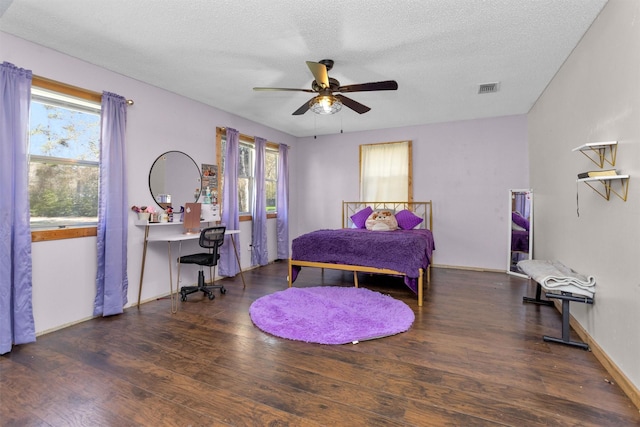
{"x":421,"y":209}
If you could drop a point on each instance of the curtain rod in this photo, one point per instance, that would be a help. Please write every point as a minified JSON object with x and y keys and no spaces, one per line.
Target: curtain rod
{"x":76,"y":91}
{"x":247,"y":137}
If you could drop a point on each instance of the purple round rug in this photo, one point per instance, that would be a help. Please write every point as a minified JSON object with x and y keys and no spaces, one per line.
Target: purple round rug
{"x":330,"y":314}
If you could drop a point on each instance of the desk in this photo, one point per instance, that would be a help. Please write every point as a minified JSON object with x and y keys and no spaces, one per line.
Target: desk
{"x":176,"y":237}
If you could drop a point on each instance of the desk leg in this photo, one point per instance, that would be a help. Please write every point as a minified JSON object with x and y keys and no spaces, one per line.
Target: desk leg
{"x":235,"y":249}
{"x":144,"y":258}
{"x":172,"y":295}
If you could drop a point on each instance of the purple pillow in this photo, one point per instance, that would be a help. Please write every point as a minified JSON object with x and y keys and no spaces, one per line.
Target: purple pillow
{"x":407,"y":220}
{"x":360,"y":218}
{"x":519,"y":220}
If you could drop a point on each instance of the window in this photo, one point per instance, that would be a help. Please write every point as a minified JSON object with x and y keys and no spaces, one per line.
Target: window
{"x":385,"y":172}
{"x":246,"y":169}
{"x":64,"y":147}
{"x":271,"y":179}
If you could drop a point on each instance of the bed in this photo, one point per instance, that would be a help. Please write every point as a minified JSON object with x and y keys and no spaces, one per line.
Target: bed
{"x":406,"y":251}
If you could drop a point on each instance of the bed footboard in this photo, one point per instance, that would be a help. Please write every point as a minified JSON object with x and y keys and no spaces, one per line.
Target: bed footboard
{"x":358,"y":269}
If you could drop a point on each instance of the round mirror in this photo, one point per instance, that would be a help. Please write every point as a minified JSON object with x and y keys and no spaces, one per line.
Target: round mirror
{"x":174,"y":179}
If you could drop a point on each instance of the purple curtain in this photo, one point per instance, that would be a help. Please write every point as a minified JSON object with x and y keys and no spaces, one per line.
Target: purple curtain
{"x":259,"y":254}
{"x":112,"y":283}
{"x":227,"y":266}
{"x":522,"y":204}
{"x":16,"y":311}
{"x":282,"y":222}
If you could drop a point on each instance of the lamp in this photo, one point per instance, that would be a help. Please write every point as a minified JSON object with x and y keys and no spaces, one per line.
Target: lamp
{"x":325,"y":104}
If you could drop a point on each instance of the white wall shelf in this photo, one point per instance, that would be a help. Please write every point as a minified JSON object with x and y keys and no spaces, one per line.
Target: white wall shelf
{"x":607,"y":182}
{"x":597,"y":152}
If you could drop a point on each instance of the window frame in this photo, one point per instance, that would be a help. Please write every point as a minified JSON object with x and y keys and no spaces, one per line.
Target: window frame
{"x":271,"y":150}
{"x":66,"y":232}
{"x":250,"y":176}
{"x":409,"y":169}
{"x":220,"y":132}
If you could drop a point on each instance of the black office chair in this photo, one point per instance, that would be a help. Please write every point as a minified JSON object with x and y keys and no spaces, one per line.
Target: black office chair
{"x":210,"y":238}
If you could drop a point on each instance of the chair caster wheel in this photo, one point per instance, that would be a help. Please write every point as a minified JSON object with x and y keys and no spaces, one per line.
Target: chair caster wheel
{"x":223,"y":291}
{"x":211,"y":296}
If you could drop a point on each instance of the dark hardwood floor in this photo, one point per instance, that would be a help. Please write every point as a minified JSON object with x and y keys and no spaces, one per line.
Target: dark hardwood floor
{"x":473,"y":357}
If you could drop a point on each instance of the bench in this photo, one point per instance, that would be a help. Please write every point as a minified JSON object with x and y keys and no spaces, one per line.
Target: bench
{"x":563,"y":283}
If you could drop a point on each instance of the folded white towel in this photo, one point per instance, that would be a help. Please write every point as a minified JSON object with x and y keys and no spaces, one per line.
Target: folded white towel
{"x":555,"y":276}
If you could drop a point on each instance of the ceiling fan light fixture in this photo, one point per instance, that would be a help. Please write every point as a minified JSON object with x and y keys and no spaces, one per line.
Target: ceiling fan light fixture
{"x":325,"y":104}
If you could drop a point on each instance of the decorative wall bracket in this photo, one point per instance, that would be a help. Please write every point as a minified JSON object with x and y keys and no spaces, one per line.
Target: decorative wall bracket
{"x":597,"y":152}
{"x":607,"y":184}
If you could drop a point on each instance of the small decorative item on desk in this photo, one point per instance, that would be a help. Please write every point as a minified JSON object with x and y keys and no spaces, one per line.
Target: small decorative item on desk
{"x":145,"y":213}
{"x":207,"y":197}
{"x":210,"y":213}
{"x":170,"y":213}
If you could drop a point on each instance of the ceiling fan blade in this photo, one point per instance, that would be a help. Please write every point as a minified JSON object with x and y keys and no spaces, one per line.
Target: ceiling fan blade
{"x":365,"y":87}
{"x":282,"y":88}
{"x":303,"y":108}
{"x":354,"y":105}
{"x":319,"y":72}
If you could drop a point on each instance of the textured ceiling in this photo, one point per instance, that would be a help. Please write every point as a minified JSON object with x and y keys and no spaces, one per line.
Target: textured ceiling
{"x":216,"y":51}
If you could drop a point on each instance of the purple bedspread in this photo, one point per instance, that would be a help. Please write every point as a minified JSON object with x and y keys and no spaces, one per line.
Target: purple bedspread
{"x":405,"y":251}
{"x":520,"y":240}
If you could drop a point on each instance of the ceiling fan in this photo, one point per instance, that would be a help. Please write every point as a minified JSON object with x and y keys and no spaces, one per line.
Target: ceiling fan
{"x":327,"y":101}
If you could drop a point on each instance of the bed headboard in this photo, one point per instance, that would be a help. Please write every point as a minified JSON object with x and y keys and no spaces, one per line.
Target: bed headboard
{"x":421,"y":209}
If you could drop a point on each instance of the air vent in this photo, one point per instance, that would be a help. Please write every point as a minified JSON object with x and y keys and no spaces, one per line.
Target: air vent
{"x":488,"y":88}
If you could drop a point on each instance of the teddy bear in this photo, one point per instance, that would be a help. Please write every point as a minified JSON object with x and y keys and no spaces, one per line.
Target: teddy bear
{"x":382,"y":220}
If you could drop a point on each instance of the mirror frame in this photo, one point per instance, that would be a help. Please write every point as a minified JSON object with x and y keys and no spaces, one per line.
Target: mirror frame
{"x":509,"y":221}
{"x":196,"y":194}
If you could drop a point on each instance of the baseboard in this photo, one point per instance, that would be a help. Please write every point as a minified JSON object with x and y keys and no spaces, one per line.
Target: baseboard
{"x":459,"y":267}
{"x":617,"y":376}
{"x":65,"y":325}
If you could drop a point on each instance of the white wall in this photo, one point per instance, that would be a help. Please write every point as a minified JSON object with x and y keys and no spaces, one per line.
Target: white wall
{"x":466,"y":169}
{"x":64,"y":271}
{"x":594,"y":97}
